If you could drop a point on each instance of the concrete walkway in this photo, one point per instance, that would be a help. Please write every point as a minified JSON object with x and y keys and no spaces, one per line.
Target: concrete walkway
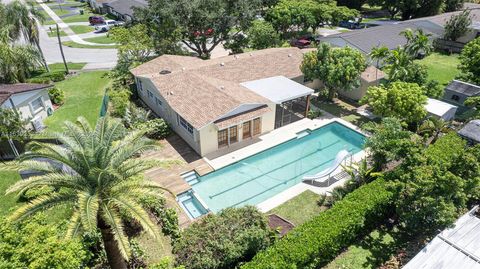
{"x":63,"y":26}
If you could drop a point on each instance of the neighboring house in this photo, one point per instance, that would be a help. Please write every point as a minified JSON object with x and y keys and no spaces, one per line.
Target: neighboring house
{"x":471,"y":131}
{"x":370,"y":77}
{"x":217,"y":103}
{"x":441,"y":110}
{"x":98,"y":5}
{"x":123,"y":9}
{"x":456,"y":247}
{"x":30,"y":100}
{"x":389,"y":35}
{"x":458,"y":91}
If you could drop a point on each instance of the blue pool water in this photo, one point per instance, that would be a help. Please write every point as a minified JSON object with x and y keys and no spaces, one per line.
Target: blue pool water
{"x":263,"y":175}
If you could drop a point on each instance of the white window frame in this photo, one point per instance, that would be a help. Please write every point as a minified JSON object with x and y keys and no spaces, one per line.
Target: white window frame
{"x":42,"y":105}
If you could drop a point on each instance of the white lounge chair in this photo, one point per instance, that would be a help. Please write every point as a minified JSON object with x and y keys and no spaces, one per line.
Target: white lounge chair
{"x":341,"y":156}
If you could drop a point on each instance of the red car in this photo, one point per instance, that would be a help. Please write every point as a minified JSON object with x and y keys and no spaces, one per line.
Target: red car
{"x":96,"y":20}
{"x":300,"y":43}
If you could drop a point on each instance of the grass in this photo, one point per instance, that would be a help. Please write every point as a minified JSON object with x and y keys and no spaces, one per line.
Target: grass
{"x":370,"y":252}
{"x":81,"y":29}
{"x":343,"y":110}
{"x":441,"y":67}
{"x":299,"y":209}
{"x":83,"y":97}
{"x":61,"y":12}
{"x":154,"y":250}
{"x":100,"y":40}
{"x":72,"y":44}
{"x":7,"y":178}
{"x":61,"y":66}
{"x":54,"y":33}
{"x":79,"y":18}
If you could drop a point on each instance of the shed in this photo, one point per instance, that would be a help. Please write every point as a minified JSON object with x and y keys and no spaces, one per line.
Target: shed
{"x":440,"y":109}
{"x":471,"y":131}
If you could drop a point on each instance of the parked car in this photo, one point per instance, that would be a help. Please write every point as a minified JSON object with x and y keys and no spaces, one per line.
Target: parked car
{"x":93,"y":20}
{"x":108,"y":25}
{"x":300,"y":43}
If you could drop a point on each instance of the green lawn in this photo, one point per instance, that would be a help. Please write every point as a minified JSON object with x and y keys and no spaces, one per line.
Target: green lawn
{"x":82,"y":46}
{"x":81,"y":29}
{"x":100,"y":40}
{"x":7,"y":178}
{"x":300,"y":208}
{"x":61,"y":12}
{"x":343,"y":110}
{"x":61,"y":66}
{"x":54,"y":33}
{"x":441,"y":67}
{"x":83,"y":97}
{"x":79,"y":18}
{"x":370,"y":252}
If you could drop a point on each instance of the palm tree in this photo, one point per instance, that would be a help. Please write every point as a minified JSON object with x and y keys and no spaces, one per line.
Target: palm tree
{"x":23,"y":21}
{"x":417,"y":41}
{"x":378,"y":54}
{"x":398,"y":64}
{"x":99,"y":177}
{"x":433,"y":127}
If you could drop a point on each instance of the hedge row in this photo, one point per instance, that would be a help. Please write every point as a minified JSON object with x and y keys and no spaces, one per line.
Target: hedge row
{"x":319,"y":240}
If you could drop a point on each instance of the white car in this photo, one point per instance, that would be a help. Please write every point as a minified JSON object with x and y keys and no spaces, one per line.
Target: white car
{"x":107,"y":25}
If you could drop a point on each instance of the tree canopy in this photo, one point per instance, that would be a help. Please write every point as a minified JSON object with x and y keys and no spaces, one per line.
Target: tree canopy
{"x":262,"y":35}
{"x":470,"y":61}
{"x":458,"y":25}
{"x":337,"y":68}
{"x":405,"y":101}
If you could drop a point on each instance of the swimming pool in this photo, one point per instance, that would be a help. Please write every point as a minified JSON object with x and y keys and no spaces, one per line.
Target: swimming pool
{"x":255,"y":179}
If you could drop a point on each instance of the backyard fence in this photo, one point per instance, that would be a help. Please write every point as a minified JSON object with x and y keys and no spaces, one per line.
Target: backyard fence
{"x":448,"y":45}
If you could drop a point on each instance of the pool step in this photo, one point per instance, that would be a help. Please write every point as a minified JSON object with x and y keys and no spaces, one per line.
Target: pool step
{"x":190,"y":177}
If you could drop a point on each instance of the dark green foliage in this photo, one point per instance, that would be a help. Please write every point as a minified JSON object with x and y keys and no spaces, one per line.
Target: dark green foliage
{"x":48,"y":77}
{"x":458,"y":25}
{"x":11,"y":125}
{"x":57,"y":96}
{"x":312,"y":114}
{"x":155,"y":128}
{"x":38,"y":245}
{"x":314,"y":243}
{"x":223,"y":240}
{"x":437,"y":185}
{"x":433,"y":89}
{"x":453,"y":5}
{"x":470,"y":61}
{"x":166,"y":217}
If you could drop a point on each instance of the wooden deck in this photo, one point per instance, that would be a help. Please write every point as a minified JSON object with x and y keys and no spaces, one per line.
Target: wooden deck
{"x":179,"y":158}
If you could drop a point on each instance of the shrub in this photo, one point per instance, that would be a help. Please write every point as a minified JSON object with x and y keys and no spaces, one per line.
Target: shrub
{"x":319,"y":240}
{"x":57,"y":96}
{"x":36,"y":244}
{"x":156,"y":128}
{"x":313,"y":114}
{"x":167,"y":217}
{"x":135,"y":115}
{"x":39,"y":80}
{"x":223,"y":240}
{"x":119,"y":99}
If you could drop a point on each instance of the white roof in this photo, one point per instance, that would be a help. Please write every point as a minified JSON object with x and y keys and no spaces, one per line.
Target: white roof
{"x":277,"y":89}
{"x":457,"y":247}
{"x":437,"y":107}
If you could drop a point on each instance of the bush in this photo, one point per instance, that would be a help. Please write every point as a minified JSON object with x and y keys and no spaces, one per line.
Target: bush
{"x":166,"y":217}
{"x":313,"y":114}
{"x":119,"y":99}
{"x":36,"y":244}
{"x":57,"y":96}
{"x":46,"y":78}
{"x":316,"y":242}
{"x":156,"y":128}
{"x":223,"y":240}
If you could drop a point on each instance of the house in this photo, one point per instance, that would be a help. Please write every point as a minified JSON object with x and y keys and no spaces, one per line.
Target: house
{"x":455,"y":247}
{"x":471,"y":131}
{"x":389,"y":35}
{"x":458,"y":91}
{"x":370,"y":77}
{"x":218,"y":103}
{"x":98,"y":5}
{"x":30,"y":100}
{"x":441,"y":110}
{"x":123,"y":9}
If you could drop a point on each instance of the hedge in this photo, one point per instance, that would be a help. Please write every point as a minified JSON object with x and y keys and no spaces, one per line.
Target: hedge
{"x":319,"y":240}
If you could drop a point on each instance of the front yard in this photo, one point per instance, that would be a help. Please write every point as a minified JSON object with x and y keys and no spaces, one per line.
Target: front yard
{"x":83,"y":97}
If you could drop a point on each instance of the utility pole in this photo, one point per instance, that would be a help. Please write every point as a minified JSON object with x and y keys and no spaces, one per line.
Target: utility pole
{"x":61,"y":49}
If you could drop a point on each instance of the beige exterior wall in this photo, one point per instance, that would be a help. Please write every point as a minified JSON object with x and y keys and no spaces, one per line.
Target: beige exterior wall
{"x":358,"y":93}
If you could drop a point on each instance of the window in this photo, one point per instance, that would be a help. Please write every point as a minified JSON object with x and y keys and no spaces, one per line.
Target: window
{"x":455,"y":97}
{"x":140,"y":85}
{"x":159,"y":103}
{"x":223,"y":138}
{"x":233,"y":134}
{"x":246,"y":129}
{"x":185,"y":124}
{"x":37,"y":104}
{"x":150,"y":94}
{"x":257,"y":126}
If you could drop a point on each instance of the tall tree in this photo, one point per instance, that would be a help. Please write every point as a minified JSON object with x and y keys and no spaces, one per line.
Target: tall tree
{"x":337,"y":68}
{"x":401,"y":67}
{"x":379,"y":54}
{"x":262,"y":35}
{"x":458,"y":25}
{"x":417,"y":42}
{"x":470,"y":61}
{"x":23,"y":22}
{"x":405,"y":101}
{"x":99,"y":177}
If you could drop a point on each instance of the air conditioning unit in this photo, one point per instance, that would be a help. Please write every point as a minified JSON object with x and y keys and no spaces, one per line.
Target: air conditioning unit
{"x":37,"y":124}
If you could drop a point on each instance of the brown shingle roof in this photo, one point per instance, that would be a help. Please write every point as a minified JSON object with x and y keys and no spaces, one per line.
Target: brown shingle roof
{"x":7,"y":90}
{"x":372,"y":73}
